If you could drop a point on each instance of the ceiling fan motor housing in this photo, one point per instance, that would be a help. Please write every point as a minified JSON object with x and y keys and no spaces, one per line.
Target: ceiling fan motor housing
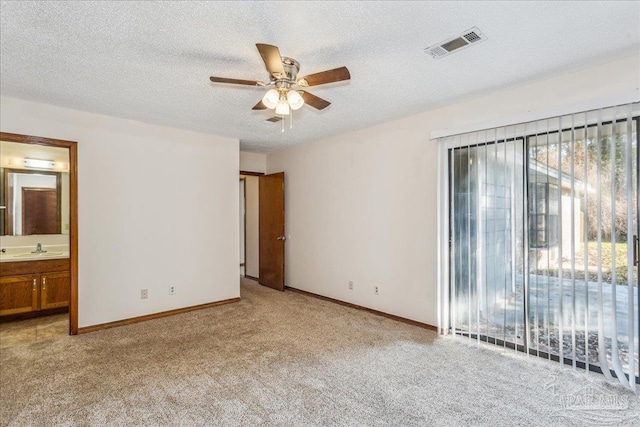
{"x":291,"y":68}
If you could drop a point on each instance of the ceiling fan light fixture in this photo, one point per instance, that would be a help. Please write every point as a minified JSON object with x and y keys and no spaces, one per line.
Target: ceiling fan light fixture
{"x":270,"y":99}
{"x":282,"y":107}
{"x":283,"y":76}
{"x":295,"y":100}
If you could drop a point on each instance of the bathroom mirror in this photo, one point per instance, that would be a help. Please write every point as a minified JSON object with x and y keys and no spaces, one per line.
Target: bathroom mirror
{"x":34,"y":190}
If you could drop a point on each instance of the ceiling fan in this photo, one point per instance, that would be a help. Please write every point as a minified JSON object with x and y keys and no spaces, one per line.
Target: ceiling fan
{"x":283,"y":75}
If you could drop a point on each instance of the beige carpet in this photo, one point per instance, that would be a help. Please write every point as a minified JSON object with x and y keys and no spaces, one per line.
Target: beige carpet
{"x":286,"y":359}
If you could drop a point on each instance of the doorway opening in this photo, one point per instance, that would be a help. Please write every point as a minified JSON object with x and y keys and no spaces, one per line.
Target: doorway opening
{"x":249,"y":225}
{"x":262,"y":231}
{"x":39,"y":238}
{"x":243,"y":225}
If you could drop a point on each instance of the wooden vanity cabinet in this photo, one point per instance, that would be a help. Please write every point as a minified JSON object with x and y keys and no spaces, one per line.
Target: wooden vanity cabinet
{"x":18,"y":294}
{"x":31,"y":286}
{"x":55,"y":290}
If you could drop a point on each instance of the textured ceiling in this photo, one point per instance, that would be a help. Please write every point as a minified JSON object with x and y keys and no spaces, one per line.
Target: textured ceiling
{"x":151,"y":61}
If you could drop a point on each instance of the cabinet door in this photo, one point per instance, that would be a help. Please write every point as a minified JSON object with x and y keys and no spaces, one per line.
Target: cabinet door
{"x":55,"y":290}
{"x":18,"y":294}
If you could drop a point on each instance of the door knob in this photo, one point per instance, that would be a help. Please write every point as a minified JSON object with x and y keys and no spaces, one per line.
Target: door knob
{"x":282,"y":237}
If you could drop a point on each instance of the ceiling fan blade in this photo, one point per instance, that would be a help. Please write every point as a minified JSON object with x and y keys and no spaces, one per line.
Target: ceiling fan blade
{"x":272,"y":59}
{"x":236,"y":81}
{"x":259,"y":106}
{"x":314,"y":101}
{"x":323,"y":77}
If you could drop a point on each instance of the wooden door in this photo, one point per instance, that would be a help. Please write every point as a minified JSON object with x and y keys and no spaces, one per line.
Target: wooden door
{"x":272,"y":235}
{"x":55,"y":291}
{"x":18,"y":294}
{"x":40,"y":212}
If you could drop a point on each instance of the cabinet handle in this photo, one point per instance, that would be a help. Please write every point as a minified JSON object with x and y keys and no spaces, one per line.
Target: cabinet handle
{"x":44,"y":282}
{"x":34,"y":284}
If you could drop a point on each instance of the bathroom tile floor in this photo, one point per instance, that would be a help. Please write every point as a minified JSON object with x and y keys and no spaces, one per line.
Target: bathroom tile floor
{"x":21,"y":332}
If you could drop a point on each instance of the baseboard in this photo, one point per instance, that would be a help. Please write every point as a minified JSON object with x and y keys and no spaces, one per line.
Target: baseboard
{"x":251,"y":278}
{"x":370,"y":310}
{"x":101,"y":326}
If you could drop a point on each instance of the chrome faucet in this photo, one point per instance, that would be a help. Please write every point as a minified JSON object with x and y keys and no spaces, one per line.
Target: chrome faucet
{"x":38,"y":249}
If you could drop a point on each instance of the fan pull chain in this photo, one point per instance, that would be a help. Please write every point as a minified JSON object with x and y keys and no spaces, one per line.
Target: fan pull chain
{"x":282,"y":124}
{"x":291,"y":120}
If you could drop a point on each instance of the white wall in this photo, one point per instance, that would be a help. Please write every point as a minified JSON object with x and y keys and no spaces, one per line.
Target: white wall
{"x":157,"y":206}
{"x":253,"y":162}
{"x":253,"y":226}
{"x":362,"y":206}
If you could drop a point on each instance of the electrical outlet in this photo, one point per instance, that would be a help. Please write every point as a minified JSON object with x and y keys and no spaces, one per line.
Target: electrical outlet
{"x":350,"y":285}
{"x":376,"y":290}
{"x":172,"y":290}
{"x":144,"y":294}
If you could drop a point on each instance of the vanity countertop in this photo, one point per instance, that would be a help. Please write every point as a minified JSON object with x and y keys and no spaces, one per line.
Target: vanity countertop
{"x":19,"y":254}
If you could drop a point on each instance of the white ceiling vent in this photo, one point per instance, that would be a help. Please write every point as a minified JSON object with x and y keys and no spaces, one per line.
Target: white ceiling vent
{"x":457,"y":43}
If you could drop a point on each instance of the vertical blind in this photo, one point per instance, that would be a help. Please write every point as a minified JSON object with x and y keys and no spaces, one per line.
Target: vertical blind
{"x":540,"y":226}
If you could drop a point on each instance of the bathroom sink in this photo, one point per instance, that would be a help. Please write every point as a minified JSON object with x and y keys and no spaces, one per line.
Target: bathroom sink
{"x":44,"y":254}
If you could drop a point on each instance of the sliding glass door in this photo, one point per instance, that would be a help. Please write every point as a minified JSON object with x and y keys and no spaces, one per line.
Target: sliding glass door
{"x":582,"y":277}
{"x":542,"y":240}
{"x":487,"y":183}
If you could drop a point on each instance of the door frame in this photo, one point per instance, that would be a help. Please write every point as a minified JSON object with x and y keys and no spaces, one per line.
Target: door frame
{"x":72,"y":146}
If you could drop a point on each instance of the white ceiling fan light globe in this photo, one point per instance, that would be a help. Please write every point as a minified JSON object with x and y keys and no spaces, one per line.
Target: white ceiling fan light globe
{"x":283,"y":107}
{"x":270,"y":99}
{"x":295,"y":99}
